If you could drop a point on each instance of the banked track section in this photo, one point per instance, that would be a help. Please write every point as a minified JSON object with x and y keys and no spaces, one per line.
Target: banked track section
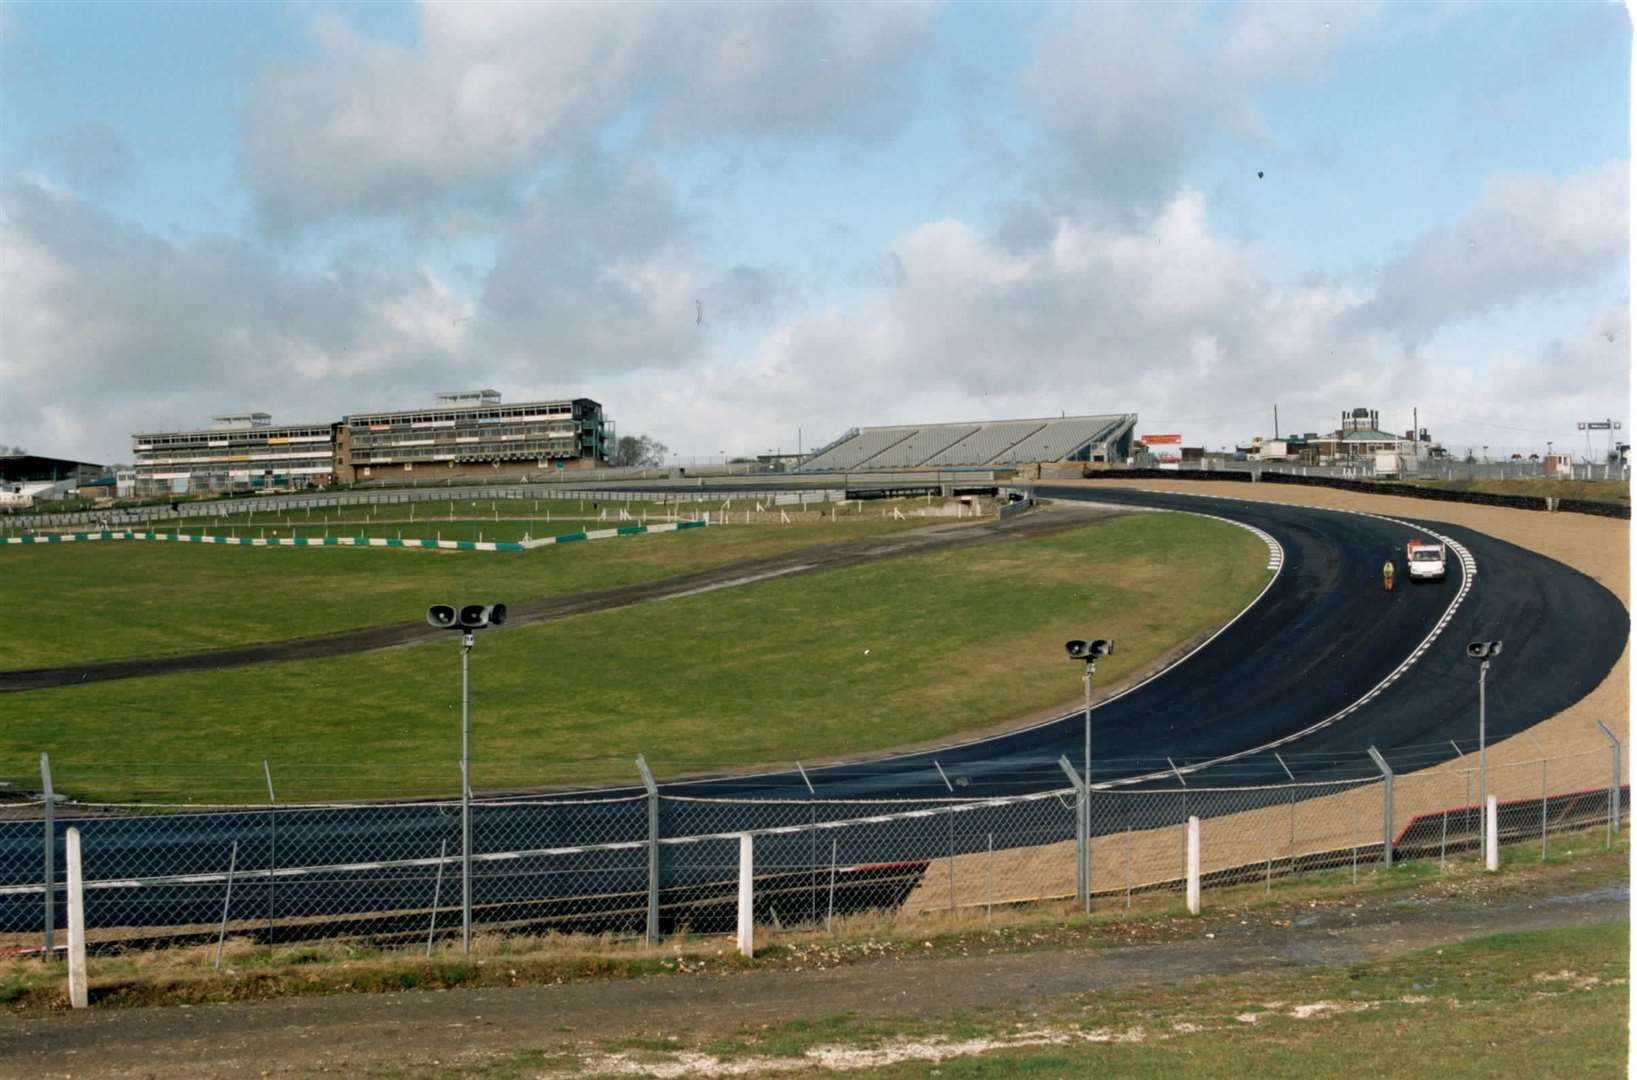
{"x":1326,"y":658}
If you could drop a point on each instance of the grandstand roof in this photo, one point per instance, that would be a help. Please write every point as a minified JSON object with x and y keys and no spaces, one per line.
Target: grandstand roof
{"x":973,"y":444}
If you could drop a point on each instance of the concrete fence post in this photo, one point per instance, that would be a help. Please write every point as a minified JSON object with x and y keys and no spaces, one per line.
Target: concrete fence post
{"x":1193,"y":865}
{"x":747,"y":895}
{"x":76,"y":924}
{"x":1386,"y":807}
{"x":1492,"y":841}
{"x":653,"y":849}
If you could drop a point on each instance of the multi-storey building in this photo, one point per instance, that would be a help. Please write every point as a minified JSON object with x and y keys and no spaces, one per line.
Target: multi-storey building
{"x":471,"y":433}
{"x":466,"y":434}
{"x":239,"y":451}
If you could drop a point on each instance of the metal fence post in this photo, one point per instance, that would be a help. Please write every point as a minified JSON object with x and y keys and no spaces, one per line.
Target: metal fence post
{"x":951,"y":788}
{"x":227,"y":900}
{"x":50,"y":877}
{"x":812,"y":847}
{"x":1082,"y":877}
{"x":1386,"y":807}
{"x":653,"y":849}
{"x":1291,"y":851}
{"x":1543,"y":809}
{"x":272,"y":847}
{"x":1614,"y":782}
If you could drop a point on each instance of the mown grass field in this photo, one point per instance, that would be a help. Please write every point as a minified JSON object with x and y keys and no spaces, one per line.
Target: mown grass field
{"x":807,"y":667}
{"x":127,"y":598}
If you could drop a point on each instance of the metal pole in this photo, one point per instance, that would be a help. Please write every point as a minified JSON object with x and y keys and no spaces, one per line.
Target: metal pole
{"x":830,"y":912}
{"x":989,"y":883}
{"x":50,"y":855}
{"x":812,"y":847}
{"x":437,"y":894}
{"x":272,"y":846}
{"x":1483,"y":776}
{"x":466,"y":643}
{"x":951,"y":787}
{"x":1291,"y":851}
{"x":1613,"y":828}
{"x":1082,"y":875}
{"x":1542,"y":809}
{"x":227,"y":899}
{"x":653,"y":849}
{"x":1091,"y":669}
{"x":1386,"y":807}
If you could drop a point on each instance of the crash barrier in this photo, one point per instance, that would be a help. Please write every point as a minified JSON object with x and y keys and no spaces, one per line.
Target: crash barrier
{"x":656,"y":864}
{"x":1371,"y":487}
{"x":360,"y":541}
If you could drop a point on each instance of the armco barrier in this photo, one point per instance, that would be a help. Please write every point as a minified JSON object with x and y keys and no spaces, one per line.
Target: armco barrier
{"x":1370,"y":487}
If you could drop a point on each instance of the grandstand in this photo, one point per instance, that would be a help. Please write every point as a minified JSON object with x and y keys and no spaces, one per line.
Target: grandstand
{"x":985,"y":444}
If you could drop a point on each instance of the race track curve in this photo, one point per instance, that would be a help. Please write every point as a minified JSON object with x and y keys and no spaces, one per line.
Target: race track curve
{"x":1324,"y":637}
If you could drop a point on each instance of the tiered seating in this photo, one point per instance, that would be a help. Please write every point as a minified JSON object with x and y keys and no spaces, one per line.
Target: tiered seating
{"x":1002,"y":444}
{"x":925,"y":447}
{"x":989,"y":442}
{"x":858,"y":449}
{"x":1060,"y":438}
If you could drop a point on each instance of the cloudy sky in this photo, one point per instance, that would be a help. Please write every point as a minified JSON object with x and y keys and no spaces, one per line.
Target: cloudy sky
{"x":741,"y":225}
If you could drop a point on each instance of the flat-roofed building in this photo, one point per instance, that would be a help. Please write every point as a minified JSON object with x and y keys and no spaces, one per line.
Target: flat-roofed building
{"x":471,"y":433}
{"x":238,"y":452}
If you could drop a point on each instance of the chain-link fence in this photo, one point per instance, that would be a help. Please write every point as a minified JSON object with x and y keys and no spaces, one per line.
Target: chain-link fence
{"x":401,"y":874}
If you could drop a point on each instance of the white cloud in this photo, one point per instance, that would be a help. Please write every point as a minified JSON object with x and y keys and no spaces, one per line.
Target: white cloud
{"x":1164,"y":317}
{"x":491,"y":91}
{"x":1131,"y":92}
{"x":1527,"y":236}
{"x":109,"y":330}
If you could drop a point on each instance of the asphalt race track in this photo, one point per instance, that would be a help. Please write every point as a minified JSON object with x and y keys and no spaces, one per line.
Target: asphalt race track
{"x":1316,"y":666}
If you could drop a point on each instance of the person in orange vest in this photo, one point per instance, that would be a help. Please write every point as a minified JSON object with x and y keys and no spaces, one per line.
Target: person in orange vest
{"x":1387,"y":574}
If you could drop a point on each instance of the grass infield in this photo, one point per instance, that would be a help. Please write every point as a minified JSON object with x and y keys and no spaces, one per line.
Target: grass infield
{"x":127,"y":598}
{"x":808,"y":667}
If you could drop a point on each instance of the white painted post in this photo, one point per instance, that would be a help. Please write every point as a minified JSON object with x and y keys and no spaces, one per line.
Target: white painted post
{"x":76,"y":924}
{"x":1193,"y":865}
{"x":747,"y":925}
{"x":1492,"y":842}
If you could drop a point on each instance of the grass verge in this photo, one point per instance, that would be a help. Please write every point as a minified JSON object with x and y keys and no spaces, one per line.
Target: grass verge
{"x":807,"y":667}
{"x":251,"y":971}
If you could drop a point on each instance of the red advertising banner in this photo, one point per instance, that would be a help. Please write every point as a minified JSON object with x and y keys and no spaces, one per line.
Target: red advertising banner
{"x":1157,"y":440}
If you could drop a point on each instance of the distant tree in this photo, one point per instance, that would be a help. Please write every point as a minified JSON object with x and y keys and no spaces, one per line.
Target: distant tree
{"x":639,"y":451}
{"x":11,"y":451}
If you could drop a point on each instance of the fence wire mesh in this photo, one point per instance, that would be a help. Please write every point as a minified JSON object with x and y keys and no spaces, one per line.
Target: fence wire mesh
{"x":394,"y":874}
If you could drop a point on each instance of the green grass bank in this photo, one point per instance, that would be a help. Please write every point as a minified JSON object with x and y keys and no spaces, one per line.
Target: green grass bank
{"x":807,"y":667}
